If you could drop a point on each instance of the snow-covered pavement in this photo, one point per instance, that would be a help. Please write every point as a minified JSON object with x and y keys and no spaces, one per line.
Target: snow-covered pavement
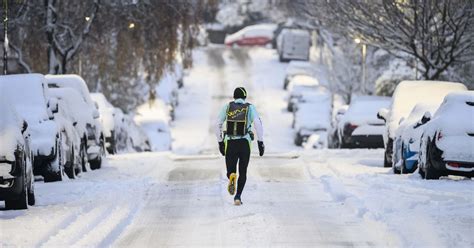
{"x":293,"y":197}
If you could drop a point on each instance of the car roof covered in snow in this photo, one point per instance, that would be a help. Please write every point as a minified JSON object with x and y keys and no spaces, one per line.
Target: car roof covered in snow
{"x":363,"y":110}
{"x":28,"y":93}
{"x":409,"y":93}
{"x":265,"y":30}
{"x":74,"y":102}
{"x":70,"y":81}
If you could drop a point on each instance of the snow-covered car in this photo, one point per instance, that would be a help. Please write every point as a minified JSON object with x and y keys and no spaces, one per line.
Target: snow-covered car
{"x":121,"y":129}
{"x":107,"y":111}
{"x":16,"y":167}
{"x":405,"y":97}
{"x":70,"y":139}
{"x":29,"y":94}
{"x":137,"y":139}
{"x":406,"y":143}
{"x":253,"y":35}
{"x":293,"y":44}
{"x":297,"y":86}
{"x":95,"y":137}
{"x":313,"y":118}
{"x":154,"y":120}
{"x":447,"y":143}
{"x":359,"y":127}
{"x":297,"y":68}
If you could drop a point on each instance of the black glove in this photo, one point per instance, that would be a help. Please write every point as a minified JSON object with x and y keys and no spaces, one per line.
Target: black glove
{"x":261,"y":148}
{"x":222,"y":148}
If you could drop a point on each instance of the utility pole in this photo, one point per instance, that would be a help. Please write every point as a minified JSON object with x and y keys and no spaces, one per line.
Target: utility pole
{"x":363,"y":64}
{"x":5,"y":41}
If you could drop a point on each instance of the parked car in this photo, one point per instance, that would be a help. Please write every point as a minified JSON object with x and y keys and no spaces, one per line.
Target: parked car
{"x":253,"y":35}
{"x":137,"y":139}
{"x":16,"y":167}
{"x":154,"y":120}
{"x":107,"y":119}
{"x":406,"y":143}
{"x":359,"y":127}
{"x":74,"y":154}
{"x":293,"y":44}
{"x":298,"y":85}
{"x":29,"y":95}
{"x":312,"y":117}
{"x":447,"y":143}
{"x":121,"y":128}
{"x":297,"y":68}
{"x":95,"y":137}
{"x":406,"y":96}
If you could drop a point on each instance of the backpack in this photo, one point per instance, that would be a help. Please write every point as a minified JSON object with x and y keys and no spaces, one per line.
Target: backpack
{"x":236,"y":115}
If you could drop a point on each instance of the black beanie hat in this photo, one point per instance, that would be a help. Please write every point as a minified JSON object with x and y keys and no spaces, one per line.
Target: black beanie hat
{"x":240,"y":92}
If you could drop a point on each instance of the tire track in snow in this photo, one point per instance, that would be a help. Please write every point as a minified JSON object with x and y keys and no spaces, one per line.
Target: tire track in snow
{"x":78,"y":228}
{"x":334,"y":187}
{"x":67,"y":221}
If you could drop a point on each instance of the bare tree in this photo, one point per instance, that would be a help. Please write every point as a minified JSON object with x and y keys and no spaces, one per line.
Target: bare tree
{"x":66,"y":27}
{"x":437,"y":33}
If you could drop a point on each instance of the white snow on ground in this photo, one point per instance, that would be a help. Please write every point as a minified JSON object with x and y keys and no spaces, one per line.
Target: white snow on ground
{"x":292,"y":197}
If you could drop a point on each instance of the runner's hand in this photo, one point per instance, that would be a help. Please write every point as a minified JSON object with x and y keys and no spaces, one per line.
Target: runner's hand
{"x":222,"y":148}
{"x":261,"y":148}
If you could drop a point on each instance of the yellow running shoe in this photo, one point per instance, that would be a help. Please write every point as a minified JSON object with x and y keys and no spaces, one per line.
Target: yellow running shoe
{"x":231,"y":186}
{"x":237,"y":202}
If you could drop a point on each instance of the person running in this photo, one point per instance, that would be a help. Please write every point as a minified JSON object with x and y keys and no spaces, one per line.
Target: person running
{"x":235,"y":139}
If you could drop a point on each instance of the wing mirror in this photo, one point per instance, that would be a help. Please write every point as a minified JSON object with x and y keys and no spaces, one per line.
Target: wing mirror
{"x":74,"y":123}
{"x":401,"y":120}
{"x":24,"y":127}
{"x":424,"y":119}
{"x":382,"y":114}
{"x":50,"y":114}
{"x":53,"y":105}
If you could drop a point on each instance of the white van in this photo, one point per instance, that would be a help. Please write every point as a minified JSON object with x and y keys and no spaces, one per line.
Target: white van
{"x":293,"y":44}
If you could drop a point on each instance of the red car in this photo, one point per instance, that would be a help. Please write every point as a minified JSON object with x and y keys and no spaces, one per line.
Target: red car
{"x":254,"y":35}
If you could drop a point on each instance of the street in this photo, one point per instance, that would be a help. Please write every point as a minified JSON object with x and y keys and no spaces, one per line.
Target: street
{"x":293,"y":197}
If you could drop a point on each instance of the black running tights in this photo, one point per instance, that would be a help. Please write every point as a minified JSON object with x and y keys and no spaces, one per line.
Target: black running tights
{"x":238,"y":151}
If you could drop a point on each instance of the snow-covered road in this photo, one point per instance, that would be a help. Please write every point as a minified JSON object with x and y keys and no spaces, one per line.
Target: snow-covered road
{"x":293,"y":197}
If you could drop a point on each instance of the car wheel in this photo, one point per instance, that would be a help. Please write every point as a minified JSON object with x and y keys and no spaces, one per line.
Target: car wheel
{"x":83,"y":156}
{"x":386,"y":161}
{"x":97,"y":163}
{"x":298,"y":140}
{"x":54,"y":176}
{"x":22,"y":201}
{"x":70,"y":168}
{"x":395,"y":169}
{"x":430,"y":171}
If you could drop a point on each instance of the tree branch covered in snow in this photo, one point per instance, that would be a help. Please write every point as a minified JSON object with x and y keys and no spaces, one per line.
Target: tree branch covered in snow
{"x":438,"y":34}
